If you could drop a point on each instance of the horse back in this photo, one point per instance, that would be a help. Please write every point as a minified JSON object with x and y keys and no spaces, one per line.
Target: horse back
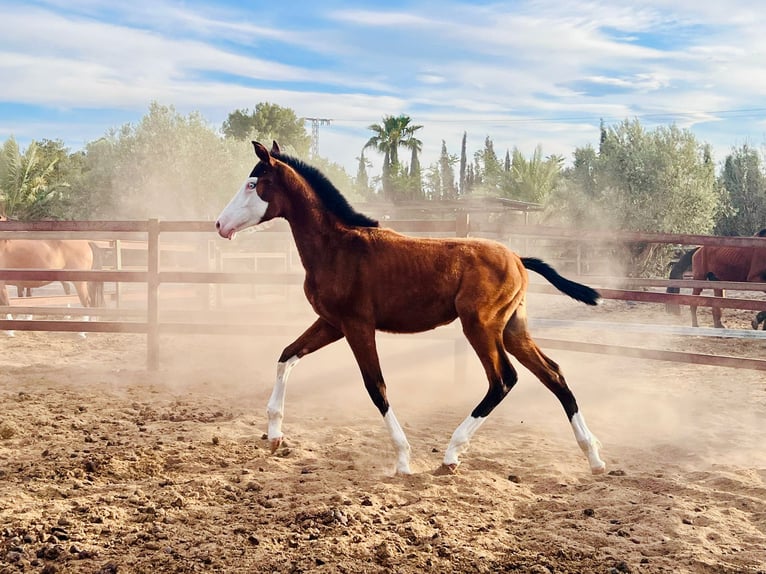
{"x":411,"y":284}
{"x":30,"y":254}
{"x":727,"y":263}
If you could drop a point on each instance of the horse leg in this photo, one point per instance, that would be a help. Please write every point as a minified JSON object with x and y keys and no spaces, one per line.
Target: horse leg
{"x":361,"y":339}
{"x":519,"y":343}
{"x":82,"y":292}
{"x":488,"y":345}
{"x":693,"y":308}
{"x":5,"y":302}
{"x":717,"y":312}
{"x":318,"y":335}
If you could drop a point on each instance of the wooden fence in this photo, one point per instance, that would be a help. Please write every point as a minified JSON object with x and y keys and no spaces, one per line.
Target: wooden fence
{"x":147,"y":320}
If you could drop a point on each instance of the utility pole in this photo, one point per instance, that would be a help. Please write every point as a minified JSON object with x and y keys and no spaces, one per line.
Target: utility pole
{"x":315,"y":123}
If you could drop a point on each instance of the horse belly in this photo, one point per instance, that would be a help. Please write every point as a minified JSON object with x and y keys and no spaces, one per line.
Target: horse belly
{"x":414,"y":318}
{"x":31,"y":284}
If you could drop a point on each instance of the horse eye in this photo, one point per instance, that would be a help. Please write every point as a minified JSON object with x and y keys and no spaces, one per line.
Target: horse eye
{"x":250,"y":185}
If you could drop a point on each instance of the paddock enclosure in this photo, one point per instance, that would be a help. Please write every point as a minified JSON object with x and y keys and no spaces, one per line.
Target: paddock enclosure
{"x":118,"y":458}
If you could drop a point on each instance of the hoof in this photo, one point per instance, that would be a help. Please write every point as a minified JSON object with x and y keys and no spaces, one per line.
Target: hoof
{"x":403,"y":471}
{"x":274,"y":444}
{"x":447,"y":469}
{"x":598,"y":469}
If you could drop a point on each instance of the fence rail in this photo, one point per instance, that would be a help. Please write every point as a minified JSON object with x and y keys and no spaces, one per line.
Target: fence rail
{"x":153,"y":277}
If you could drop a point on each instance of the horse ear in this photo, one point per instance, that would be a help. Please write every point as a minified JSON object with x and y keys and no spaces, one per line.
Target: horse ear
{"x":262,"y":152}
{"x":275,"y":148}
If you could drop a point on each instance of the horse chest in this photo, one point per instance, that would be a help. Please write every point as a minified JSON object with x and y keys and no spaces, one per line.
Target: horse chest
{"x":328,"y":295}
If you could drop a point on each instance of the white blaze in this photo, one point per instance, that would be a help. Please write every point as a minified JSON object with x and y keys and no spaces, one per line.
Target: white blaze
{"x":244,"y":210}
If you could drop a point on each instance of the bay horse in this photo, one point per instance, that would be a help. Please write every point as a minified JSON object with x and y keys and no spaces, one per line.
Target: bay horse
{"x":714,"y":263}
{"x":361,"y":277}
{"x":50,"y":254}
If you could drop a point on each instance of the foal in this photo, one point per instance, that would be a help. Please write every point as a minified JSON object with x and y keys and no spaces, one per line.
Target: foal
{"x":361,"y":278}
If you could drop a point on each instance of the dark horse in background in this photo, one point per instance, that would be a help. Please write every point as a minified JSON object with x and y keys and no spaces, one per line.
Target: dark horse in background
{"x":361,"y":278}
{"x":714,"y":263}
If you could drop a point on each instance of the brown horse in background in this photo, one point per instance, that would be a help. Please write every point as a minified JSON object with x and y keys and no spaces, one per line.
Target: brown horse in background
{"x":362,"y":278}
{"x":713,"y":263}
{"x":76,"y":254}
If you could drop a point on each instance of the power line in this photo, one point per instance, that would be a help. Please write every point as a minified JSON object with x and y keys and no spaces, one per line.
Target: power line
{"x":689,"y":114}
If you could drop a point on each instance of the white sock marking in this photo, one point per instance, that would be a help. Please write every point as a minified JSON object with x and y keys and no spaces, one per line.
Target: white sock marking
{"x":400,"y":442}
{"x":276,"y":407}
{"x":83,"y":334}
{"x":9,"y":317}
{"x":460,"y":439}
{"x":588,"y":443}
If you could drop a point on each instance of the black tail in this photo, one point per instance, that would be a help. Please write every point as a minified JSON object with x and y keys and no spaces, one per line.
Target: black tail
{"x":677,"y":272}
{"x":576,"y":291}
{"x":96,"y":288}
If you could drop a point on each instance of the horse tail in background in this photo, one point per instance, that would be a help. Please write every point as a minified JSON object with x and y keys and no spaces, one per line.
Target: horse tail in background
{"x":96,"y":288}
{"x":677,"y":272}
{"x":576,"y":291}
{"x":759,"y":318}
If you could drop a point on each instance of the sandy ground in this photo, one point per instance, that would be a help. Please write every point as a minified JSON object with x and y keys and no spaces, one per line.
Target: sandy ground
{"x":105,"y":467}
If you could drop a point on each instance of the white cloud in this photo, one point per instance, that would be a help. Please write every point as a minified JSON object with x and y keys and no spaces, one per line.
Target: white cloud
{"x":524,"y":73}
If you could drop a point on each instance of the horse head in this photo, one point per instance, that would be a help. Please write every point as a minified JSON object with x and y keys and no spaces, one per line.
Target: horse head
{"x":256,"y":200}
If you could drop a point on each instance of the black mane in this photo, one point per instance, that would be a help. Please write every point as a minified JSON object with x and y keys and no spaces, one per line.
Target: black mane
{"x":332,"y":199}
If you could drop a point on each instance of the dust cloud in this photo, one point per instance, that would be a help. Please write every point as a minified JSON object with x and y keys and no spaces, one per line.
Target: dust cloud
{"x":167,"y":470}
{"x":690,"y":414}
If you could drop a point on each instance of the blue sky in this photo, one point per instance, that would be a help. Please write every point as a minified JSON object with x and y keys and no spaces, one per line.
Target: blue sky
{"x":523,"y":72}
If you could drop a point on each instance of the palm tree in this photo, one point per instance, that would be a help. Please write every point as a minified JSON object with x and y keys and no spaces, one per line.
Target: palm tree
{"x":394,"y":132}
{"x":534,"y":179}
{"x":27,"y":190}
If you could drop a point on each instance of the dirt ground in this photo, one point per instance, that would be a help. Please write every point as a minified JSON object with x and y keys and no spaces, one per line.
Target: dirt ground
{"x":106,"y":467}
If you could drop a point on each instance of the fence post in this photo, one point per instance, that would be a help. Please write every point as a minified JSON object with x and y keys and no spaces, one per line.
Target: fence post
{"x":462,"y":224}
{"x":117,"y":265}
{"x":152,"y":295}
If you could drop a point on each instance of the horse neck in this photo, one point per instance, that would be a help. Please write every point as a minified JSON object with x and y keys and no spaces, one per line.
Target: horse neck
{"x":314,"y":230}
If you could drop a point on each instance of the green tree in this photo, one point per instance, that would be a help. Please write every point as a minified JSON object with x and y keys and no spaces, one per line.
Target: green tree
{"x":743,"y":183}
{"x":394,"y":132}
{"x":661,"y":180}
{"x":30,"y":187}
{"x":583,"y":170}
{"x":462,"y":187}
{"x":416,"y":182}
{"x":168,"y":166}
{"x":266,"y":123}
{"x":532,"y":180}
{"x":657,"y":181}
{"x":432,"y":183}
{"x":94,"y":193}
{"x":447,"y":173}
{"x":362,"y":180}
{"x":488,"y":169}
